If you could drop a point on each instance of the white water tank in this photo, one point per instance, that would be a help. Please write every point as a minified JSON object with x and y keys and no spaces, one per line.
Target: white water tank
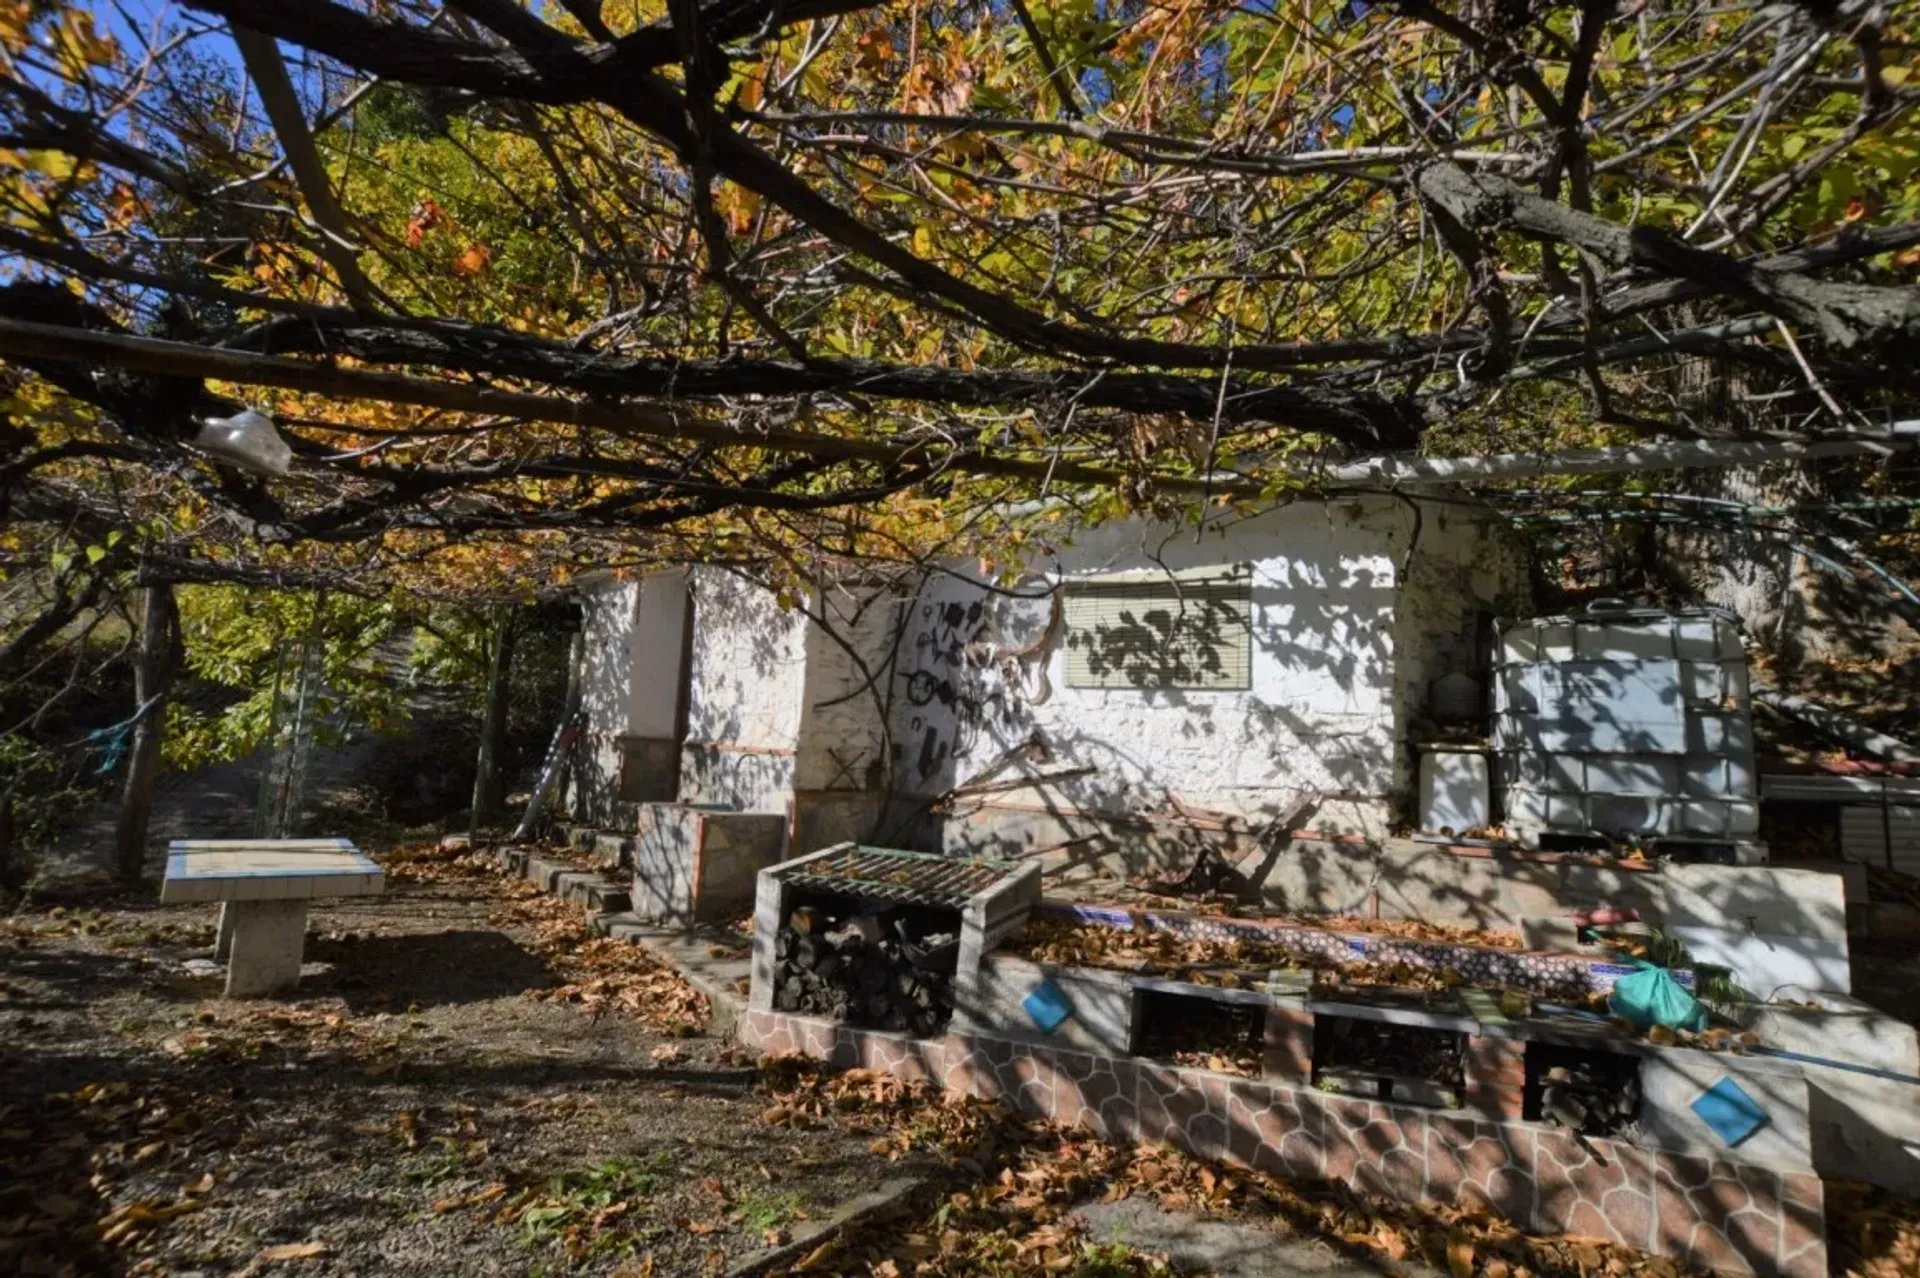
{"x":1631,"y":723}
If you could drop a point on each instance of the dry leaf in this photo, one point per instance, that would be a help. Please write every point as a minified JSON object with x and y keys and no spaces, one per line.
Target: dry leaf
{"x":295,"y":1251}
{"x":1460,"y":1253}
{"x":813,"y":1259}
{"x":473,"y":261}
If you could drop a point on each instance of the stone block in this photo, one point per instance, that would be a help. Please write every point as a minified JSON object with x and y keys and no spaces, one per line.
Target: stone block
{"x":1671,"y":1080}
{"x":1103,"y":1005}
{"x":267,"y":941}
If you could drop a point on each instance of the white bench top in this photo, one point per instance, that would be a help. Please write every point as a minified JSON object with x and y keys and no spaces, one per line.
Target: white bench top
{"x":267,"y":870}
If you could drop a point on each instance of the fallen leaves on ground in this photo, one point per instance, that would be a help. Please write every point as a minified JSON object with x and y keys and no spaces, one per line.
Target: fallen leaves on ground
{"x":1017,"y":1218}
{"x":596,"y":973}
{"x":1871,"y":1232}
{"x":72,"y":1158}
{"x":437,"y":863}
{"x":600,"y":974}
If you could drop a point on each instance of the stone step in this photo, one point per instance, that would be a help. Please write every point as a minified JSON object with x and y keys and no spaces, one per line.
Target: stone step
{"x":609,"y":846}
{"x":720,"y":977}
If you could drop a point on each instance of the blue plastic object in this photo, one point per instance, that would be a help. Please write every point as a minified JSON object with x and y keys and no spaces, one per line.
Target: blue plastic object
{"x":1731,"y":1113}
{"x":1650,"y":996}
{"x":1047,"y":1005}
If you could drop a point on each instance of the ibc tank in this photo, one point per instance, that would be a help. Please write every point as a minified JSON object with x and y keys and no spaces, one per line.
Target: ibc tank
{"x":1631,"y":723}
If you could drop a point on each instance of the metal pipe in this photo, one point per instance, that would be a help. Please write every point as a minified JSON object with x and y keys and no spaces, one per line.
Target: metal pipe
{"x":1679,"y":454}
{"x":1837,"y":726}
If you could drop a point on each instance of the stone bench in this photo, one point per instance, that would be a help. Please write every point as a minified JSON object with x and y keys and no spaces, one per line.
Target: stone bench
{"x":263,"y":886}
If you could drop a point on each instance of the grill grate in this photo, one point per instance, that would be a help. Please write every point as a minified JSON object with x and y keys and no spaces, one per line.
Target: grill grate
{"x":915,"y":878}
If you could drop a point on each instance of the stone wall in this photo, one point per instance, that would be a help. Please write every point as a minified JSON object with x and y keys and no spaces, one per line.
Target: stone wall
{"x":1732,"y":1217}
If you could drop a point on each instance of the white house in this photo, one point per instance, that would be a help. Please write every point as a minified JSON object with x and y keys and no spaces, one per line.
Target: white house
{"x":1140,"y":675}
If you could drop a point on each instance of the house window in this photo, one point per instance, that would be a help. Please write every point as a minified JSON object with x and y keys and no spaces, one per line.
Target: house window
{"x":1155,"y":630}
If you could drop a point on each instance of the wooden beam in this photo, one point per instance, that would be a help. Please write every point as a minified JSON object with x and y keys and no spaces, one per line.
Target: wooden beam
{"x":21,"y":339}
{"x":269,"y":74}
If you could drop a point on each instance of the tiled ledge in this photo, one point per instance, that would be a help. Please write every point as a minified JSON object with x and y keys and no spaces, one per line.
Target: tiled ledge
{"x":1550,"y":975}
{"x":1720,"y":1215}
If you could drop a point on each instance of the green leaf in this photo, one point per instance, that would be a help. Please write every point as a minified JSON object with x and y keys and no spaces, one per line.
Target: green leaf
{"x":1793,"y":146}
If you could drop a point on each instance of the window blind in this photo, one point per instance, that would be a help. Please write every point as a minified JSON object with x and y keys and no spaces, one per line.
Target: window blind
{"x":1195,"y":633}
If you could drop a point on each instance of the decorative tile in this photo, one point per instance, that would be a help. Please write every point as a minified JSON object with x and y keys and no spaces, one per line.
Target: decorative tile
{"x":1726,"y":1216}
{"x":1183,"y":1107}
{"x":1595,"y":1188}
{"x":1711,"y":1213}
{"x":1803,"y":1226}
{"x":1376,"y":1147}
{"x":1480,"y":1164}
{"x":1276,"y":1130}
{"x":1033,"y":1083}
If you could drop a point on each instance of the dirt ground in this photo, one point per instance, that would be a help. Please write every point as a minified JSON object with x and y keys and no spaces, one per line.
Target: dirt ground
{"x":410,"y":1110}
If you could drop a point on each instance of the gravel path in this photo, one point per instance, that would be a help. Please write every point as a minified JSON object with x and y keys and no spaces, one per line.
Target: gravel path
{"x":410,"y":1110}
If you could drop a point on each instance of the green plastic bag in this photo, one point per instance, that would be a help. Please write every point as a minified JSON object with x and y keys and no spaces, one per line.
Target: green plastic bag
{"x":1652,"y":997}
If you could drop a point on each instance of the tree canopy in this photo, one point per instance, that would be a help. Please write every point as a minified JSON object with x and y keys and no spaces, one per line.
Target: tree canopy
{"x":528,"y":287}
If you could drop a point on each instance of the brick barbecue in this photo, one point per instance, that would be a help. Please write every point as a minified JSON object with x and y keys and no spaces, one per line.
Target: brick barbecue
{"x":1071,"y":1044}
{"x":882,"y":938}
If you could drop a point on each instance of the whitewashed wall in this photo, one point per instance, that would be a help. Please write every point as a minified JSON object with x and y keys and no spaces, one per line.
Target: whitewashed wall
{"x":744,"y":703}
{"x":1326,"y":711}
{"x":607,"y":656}
{"x":842,"y":743}
{"x":658,"y":634}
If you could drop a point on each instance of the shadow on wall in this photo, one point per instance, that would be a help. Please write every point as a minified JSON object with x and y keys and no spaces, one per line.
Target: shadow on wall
{"x":1314,"y":710}
{"x":744,"y":646}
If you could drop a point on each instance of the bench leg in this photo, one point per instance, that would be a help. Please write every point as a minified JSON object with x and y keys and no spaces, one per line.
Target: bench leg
{"x":223,"y":935}
{"x":267,"y":940}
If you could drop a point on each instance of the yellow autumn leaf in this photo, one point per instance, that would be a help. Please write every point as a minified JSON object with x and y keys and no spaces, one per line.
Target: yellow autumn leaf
{"x":1460,"y":1253}
{"x":295,"y":1251}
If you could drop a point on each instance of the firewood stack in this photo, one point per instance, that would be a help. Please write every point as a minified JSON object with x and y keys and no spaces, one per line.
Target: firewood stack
{"x":1590,"y":1099}
{"x":865,"y":973}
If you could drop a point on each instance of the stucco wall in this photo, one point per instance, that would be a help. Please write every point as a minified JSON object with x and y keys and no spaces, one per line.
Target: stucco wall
{"x":1329,"y":702}
{"x":658,"y":634}
{"x":607,"y":657}
{"x":842,"y":738}
{"x":744,"y":696}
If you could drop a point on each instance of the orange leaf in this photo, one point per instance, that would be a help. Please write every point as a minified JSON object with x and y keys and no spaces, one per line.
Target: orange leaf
{"x":1460,"y":1253}
{"x":473,"y":261}
{"x":813,"y":1259}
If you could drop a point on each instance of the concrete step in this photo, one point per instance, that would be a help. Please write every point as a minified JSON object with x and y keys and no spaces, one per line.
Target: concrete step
{"x":610,"y":847}
{"x":1863,"y":1127}
{"x":721,"y":976}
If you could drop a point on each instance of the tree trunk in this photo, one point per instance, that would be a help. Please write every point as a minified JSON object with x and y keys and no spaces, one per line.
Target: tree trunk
{"x":486,"y":775}
{"x":154,"y":668}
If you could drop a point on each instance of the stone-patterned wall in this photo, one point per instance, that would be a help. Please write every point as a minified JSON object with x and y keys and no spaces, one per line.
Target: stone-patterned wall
{"x":1720,"y":1215}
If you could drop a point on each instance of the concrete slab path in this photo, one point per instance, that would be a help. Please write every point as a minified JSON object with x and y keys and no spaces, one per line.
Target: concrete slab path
{"x":1229,"y":1249}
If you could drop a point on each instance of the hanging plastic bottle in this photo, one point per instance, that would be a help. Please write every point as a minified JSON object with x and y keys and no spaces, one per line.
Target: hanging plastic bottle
{"x":247,"y":439}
